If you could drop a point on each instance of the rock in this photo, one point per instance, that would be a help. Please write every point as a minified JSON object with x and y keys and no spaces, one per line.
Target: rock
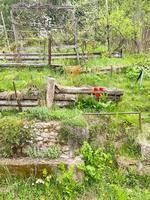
{"x":25,"y":149}
{"x":77,"y":133}
{"x":26,"y":167}
{"x":38,"y":138}
{"x":44,"y":135}
{"x":40,"y":144}
{"x":145,"y":149}
{"x":120,"y":140}
{"x":50,"y":143}
{"x":125,"y":162}
{"x":52,"y":133}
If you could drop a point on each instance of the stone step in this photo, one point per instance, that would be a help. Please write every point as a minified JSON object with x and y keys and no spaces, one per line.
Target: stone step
{"x":26,"y":167}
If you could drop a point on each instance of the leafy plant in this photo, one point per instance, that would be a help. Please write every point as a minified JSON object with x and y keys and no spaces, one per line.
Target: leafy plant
{"x":90,"y":102}
{"x":50,"y":152}
{"x":65,"y":183}
{"x":13,"y":135}
{"x":133,"y":72}
{"x":97,"y":163}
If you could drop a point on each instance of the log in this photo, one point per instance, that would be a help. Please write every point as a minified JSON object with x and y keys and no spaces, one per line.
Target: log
{"x":113,"y":92}
{"x":86,"y":90}
{"x":50,"y":91}
{"x":13,"y":103}
{"x":63,"y":103}
{"x":11,"y":96}
{"x":21,"y":65}
{"x":113,"y":98}
{"x":65,"y":97}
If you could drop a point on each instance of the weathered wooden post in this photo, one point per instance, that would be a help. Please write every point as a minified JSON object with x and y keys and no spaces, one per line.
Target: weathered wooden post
{"x":50,"y":91}
{"x":49,"y":49}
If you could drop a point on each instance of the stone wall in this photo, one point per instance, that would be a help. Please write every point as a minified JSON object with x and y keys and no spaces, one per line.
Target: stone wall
{"x":47,"y":133}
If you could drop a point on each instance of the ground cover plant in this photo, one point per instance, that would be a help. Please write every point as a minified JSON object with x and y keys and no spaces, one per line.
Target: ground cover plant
{"x":103,"y":178}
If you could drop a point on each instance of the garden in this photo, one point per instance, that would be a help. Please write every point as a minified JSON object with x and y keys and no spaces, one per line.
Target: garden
{"x":79,"y":129}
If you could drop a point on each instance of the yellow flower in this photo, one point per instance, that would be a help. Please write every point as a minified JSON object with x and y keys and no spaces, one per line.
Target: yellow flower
{"x":42,"y":198}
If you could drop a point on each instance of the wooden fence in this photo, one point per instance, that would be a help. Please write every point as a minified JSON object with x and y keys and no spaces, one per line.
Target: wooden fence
{"x":22,"y":100}
{"x":39,"y":59}
{"x":56,"y":95}
{"x":65,"y":95}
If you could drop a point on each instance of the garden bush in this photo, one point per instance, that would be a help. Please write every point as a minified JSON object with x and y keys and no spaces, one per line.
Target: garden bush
{"x":14,"y":133}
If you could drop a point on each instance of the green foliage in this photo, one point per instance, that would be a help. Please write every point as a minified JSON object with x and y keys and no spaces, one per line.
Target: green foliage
{"x":130,"y":148}
{"x":13,"y":135}
{"x":102,"y":180}
{"x":97,"y":163}
{"x":51,"y":152}
{"x":133,"y":73}
{"x":65,"y":184}
{"x":114,"y":128}
{"x":67,"y":116}
{"x":91,"y":103}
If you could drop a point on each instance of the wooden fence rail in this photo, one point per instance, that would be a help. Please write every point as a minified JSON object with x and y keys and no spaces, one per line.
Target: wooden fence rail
{"x":9,"y":99}
{"x":41,"y":57}
{"x":65,"y":95}
{"x":56,"y":95}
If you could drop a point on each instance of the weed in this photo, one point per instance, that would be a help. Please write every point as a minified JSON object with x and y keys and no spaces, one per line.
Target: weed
{"x":50,"y":152}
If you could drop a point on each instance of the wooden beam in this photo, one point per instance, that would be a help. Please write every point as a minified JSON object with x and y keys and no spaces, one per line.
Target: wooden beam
{"x":14,"y":103}
{"x":86,"y":90}
{"x":11,"y":96}
{"x":65,"y":97}
{"x":50,"y":92}
{"x":63,"y":103}
{"x":49,"y":49}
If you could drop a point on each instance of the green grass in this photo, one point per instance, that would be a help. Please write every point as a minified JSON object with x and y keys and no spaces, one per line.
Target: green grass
{"x":68,"y":116}
{"x":135,"y":98}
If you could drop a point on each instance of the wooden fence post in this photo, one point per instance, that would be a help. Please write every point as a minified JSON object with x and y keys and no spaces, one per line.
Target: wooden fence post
{"x":50,"y":91}
{"x":49,"y":50}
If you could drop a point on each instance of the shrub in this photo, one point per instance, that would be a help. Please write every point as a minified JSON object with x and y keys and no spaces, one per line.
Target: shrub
{"x":97,"y":163}
{"x":13,"y":135}
{"x":90,"y":102}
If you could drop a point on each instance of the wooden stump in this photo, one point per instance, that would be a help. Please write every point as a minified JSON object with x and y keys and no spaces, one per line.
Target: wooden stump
{"x":50,"y":92}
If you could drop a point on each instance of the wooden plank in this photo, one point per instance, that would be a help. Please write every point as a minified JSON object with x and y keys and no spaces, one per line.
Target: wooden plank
{"x":86,"y":90}
{"x":64,"y":47}
{"x":22,"y":65}
{"x":17,"y":7}
{"x":11,"y":96}
{"x":21,"y":54}
{"x":63,"y":103}
{"x":53,"y":54}
{"x":65,"y":97}
{"x":13,"y":103}
{"x":22,"y":58}
{"x":49,"y":49}
{"x":50,"y":92}
{"x":113,"y":91}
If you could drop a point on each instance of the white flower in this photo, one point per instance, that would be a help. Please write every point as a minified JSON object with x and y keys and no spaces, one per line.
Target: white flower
{"x":39,"y":181}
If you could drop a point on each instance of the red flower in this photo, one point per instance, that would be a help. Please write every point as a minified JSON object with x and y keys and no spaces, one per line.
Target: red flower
{"x":101,"y":89}
{"x":95,"y":89}
{"x":97,"y":94}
